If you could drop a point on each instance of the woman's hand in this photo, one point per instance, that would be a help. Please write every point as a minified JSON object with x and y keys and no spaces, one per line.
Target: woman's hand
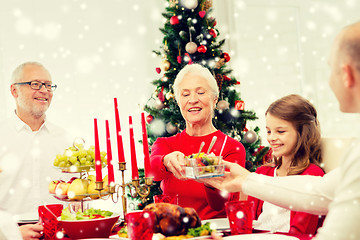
{"x":231,"y":181}
{"x":174,"y":162}
{"x":31,"y":231}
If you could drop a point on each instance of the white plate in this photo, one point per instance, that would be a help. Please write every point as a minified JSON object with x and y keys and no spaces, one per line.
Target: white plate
{"x":261,"y":236}
{"x":217,"y":223}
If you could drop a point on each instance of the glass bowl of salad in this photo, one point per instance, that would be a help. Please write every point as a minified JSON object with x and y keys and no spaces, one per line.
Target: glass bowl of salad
{"x":203,"y":165}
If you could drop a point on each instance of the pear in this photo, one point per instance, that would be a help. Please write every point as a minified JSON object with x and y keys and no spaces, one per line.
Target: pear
{"x":91,"y":190}
{"x":78,"y":187}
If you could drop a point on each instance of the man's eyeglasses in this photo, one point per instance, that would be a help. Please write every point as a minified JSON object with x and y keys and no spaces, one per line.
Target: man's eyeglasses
{"x":36,"y":85}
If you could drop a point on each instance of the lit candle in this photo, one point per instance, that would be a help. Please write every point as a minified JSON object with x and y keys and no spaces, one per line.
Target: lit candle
{"x":97,"y":153}
{"x":120,"y":146}
{"x":145,"y":146}
{"x":134,"y":169}
{"x":109,"y":155}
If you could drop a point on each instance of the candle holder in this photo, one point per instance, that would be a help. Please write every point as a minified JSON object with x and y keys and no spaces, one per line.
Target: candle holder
{"x":135,"y":188}
{"x":141,"y":190}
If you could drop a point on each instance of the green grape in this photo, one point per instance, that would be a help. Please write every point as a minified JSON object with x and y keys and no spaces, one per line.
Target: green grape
{"x":62,"y":164}
{"x":89,"y":158}
{"x":73,"y":159}
{"x":56,"y":162}
{"x":88,"y":163}
{"x":82,"y":153}
{"x":77,"y":164}
{"x":68,"y":165}
{"x":83,"y":161}
{"x":75,"y":153}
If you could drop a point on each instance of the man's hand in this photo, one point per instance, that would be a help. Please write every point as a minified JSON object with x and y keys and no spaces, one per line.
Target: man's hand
{"x":31,"y":231}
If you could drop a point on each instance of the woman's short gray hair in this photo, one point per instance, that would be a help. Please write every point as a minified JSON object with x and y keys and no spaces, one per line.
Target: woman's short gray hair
{"x":19,"y":71}
{"x":199,"y":70}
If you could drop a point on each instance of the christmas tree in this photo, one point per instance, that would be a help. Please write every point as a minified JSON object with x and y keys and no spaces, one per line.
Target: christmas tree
{"x":190,"y":37}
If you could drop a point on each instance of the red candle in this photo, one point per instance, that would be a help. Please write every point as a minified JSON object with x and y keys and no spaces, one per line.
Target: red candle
{"x":145,"y":146}
{"x":120,"y":146}
{"x":134,"y":169}
{"x":97,"y":153}
{"x":109,"y":155}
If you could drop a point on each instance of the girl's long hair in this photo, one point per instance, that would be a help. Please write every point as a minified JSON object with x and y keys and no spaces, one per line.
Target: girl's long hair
{"x":303,"y":116}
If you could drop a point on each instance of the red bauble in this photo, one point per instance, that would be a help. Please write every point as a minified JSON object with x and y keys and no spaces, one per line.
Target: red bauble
{"x":174,"y":20}
{"x":202,"y":14}
{"x":202,"y":49}
{"x":226,"y":56}
{"x":158,"y":70}
{"x":212,"y":32}
{"x":178,"y":59}
{"x":149,"y":118}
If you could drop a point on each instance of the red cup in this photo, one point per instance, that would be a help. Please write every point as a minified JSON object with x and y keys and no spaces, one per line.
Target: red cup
{"x":240,"y":215}
{"x":48,"y":215}
{"x":173,"y":199}
{"x":140,"y":225}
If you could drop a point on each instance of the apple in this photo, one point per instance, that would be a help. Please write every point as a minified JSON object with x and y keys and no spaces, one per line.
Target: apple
{"x":62,"y":189}
{"x":52,"y":186}
{"x":78,"y":187}
{"x":72,"y":179}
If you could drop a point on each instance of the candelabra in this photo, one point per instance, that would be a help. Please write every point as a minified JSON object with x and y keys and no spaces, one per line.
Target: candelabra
{"x":135,"y":188}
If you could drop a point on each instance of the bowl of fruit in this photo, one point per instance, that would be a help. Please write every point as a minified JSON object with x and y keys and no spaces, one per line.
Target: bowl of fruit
{"x":78,"y":159}
{"x":92,"y":223}
{"x":202,"y":165}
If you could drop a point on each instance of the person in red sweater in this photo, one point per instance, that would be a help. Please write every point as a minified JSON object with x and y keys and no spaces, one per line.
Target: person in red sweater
{"x":293,"y":133}
{"x":196,"y":93}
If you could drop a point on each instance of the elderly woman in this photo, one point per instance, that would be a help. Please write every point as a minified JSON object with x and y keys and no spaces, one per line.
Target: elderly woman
{"x":196,"y":93}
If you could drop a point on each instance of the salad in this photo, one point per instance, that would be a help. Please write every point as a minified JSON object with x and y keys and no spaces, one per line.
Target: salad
{"x":86,"y":215}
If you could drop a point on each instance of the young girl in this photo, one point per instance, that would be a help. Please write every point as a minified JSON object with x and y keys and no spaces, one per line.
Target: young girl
{"x":293,"y":133}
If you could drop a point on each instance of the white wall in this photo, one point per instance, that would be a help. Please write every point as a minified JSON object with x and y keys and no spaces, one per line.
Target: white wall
{"x":280,"y":47}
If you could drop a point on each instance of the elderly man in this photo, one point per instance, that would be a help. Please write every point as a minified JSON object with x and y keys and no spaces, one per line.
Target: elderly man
{"x":29,"y":143}
{"x":337,"y":194}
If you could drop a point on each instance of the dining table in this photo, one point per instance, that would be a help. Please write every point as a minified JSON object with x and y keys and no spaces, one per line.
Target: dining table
{"x":224,"y":230}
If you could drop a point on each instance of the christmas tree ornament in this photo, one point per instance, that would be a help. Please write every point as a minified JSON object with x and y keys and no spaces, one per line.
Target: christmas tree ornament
{"x":207,"y":4}
{"x":212,"y":32}
{"x":191,"y":47}
{"x":173,"y":3}
{"x":164,"y":78}
{"x":222,"y":105}
{"x":178,"y":58}
{"x":165,"y":65}
{"x":226,"y":56}
{"x":169,"y":95}
{"x":158,"y":70}
{"x":226,"y":78}
{"x":174,"y":20}
{"x":202,"y":14}
{"x":239,"y":105}
{"x":189,"y":4}
{"x":220,"y":63}
{"x":170,"y":128}
{"x":149,"y":118}
{"x":161,"y":95}
{"x":159,"y":104}
{"x":219,"y":79}
{"x":188,"y":58}
{"x":237,"y":138}
{"x":202,"y":49}
{"x":250,"y":136}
